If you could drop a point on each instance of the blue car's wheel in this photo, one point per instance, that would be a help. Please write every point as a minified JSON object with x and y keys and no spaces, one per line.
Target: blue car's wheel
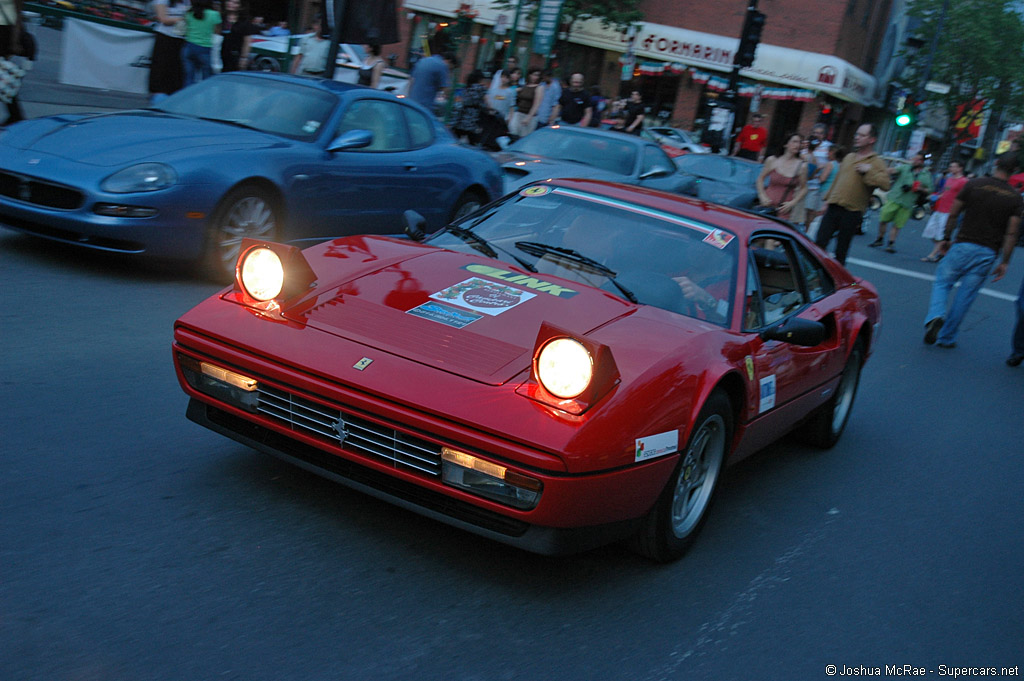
{"x":246,"y":211}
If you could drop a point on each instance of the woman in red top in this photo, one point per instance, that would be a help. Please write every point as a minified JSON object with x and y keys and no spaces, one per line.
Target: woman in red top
{"x":787,"y":179}
{"x":936,"y":227}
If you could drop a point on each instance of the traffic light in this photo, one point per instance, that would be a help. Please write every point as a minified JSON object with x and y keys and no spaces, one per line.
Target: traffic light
{"x":904,"y":118}
{"x":753,"y":25}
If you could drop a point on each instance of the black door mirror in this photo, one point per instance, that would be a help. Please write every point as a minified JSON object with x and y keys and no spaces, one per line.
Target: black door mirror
{"x":797,"y":331}
{"x":414,"y":225}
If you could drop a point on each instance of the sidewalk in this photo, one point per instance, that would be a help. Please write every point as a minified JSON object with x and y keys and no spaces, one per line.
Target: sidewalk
{"x":42,"y":95}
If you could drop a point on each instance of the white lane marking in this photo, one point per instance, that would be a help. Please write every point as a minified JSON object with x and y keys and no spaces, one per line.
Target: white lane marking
{"x":926,"y":277}
{"x":713,"y":636}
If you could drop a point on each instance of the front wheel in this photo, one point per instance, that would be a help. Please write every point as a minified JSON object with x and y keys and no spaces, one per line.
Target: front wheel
{"x":246,"y":212}
{"x":672,"y":525}
{"x":825,"y":427}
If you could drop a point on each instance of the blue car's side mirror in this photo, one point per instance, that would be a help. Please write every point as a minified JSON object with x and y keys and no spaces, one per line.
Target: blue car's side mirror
{"x":353,"y":139}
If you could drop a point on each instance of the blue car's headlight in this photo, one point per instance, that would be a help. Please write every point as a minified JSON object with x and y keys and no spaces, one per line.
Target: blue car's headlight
{"x":144,"y":177}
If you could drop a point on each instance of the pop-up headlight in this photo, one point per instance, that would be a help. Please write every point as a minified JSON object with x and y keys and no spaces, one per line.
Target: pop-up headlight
{"x":269,"y":274}
{"x":570,"y":372}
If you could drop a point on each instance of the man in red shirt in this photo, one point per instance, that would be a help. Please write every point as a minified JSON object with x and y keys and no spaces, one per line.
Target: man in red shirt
{"x":752,"y":140}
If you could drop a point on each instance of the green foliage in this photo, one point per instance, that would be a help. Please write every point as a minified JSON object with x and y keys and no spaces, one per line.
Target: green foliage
{"x":612,"y":13}
{"x":979,"y":52}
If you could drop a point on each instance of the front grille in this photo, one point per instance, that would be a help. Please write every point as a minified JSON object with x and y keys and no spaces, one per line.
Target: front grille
{"x":350,"y":431}
{"x":40,"y":192}
{"x":337,"y":467}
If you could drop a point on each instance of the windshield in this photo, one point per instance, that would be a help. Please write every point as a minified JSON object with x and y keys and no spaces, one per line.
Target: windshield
{"x":565,"y":144}
{"x":654,"y":255}
{"x":268,"y":105}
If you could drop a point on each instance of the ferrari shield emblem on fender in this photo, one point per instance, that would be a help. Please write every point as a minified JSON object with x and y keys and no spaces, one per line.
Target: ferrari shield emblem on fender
{"x":362,"y":364}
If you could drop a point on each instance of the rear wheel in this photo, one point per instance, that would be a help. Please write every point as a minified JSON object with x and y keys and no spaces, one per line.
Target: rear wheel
{"x":246,"y":212}
{"x":874,"y":203}
{"x":825,"y":427}
{"x":672,"y":525}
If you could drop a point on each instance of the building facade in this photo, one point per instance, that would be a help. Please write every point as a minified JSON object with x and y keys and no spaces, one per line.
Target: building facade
{"x":814,"y":63}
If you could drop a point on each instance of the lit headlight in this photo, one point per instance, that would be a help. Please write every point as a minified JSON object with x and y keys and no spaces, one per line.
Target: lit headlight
{"x":144,"y":177}
{"x":564,"y":367}
{"x":262,"y":274}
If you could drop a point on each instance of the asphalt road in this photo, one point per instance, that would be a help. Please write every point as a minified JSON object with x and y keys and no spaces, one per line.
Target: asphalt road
{"x":136,"y":545}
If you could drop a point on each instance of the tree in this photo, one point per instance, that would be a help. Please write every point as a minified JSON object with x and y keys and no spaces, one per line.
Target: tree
{"x":979,"y":53}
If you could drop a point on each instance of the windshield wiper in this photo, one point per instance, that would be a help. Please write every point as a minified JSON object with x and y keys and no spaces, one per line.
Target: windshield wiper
{"x":481,"y":244}
{"x":539,"y":250}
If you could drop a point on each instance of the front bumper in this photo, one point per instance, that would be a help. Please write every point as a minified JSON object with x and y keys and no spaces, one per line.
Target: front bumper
{"x":427,"y":502}
{"x":60,"y":212}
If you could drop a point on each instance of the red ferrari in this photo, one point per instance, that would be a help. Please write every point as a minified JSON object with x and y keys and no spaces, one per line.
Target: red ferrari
{"x":574,"y":364}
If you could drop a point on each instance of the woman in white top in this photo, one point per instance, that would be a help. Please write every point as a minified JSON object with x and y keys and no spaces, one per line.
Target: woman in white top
{"x":166,"y":73}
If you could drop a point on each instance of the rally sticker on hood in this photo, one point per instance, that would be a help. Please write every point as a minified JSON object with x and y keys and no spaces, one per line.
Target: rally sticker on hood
{"x":653,"y":446}
{"x":480,"y":295}
{"x":445,"y":314}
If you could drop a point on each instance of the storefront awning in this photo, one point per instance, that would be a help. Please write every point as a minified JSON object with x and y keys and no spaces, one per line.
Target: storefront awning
{"x":781,"y":65}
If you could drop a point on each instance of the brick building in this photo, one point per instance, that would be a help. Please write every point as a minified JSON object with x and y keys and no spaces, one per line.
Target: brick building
{"x":814,"y":62}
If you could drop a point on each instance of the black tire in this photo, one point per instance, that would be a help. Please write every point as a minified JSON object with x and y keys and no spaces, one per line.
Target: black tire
{"x":671,"y":527}
{"x":874,"y":203}
{"x":824,"y":428}
{"x":918,"y":212}
{"x":246,"y":211}
{"x":469,"y":202}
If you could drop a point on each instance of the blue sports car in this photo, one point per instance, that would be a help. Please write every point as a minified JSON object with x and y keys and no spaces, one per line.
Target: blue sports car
{"x":238,"y":155}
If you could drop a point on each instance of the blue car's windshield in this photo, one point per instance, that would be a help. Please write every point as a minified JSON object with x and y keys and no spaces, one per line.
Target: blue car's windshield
{"x":288,"y":109}
{"x":566,"y":144}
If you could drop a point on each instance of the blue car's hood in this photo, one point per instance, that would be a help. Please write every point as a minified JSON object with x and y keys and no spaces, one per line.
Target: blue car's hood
{"x":519,"y":169}
{"x":131,"y":137}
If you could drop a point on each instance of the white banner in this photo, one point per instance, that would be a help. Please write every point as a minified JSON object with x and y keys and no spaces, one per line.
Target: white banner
{"x":100,"y":56}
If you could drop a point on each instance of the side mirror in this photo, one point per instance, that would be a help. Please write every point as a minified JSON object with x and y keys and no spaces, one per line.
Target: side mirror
{"x":353,"y":139}
{"x":414,"y":225}
{"x":797,"y":331}
{"x":656,"y":171}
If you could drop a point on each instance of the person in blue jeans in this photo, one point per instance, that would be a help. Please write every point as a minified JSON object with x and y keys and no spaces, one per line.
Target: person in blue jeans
{"x":992,"y":214}
{"x":201,"y":22}
{"x":1017,"y":355}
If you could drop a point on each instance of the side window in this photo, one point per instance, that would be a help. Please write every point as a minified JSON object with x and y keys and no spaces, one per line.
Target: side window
{"x":383,"y":119}
{"x":780,"y":290}
{"x":753,"y":316}
{"x":655,"y":158}
{"x":421,"y":131}
{"x":819,"y":284}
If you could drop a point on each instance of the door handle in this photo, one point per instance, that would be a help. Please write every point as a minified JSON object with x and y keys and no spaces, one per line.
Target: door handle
{"x":410,"y":167}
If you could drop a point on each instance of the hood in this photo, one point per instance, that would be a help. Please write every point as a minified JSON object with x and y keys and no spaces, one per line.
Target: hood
{"x":521,"y":169}
{"x":472,"y":316}
{"x":131,"y":137}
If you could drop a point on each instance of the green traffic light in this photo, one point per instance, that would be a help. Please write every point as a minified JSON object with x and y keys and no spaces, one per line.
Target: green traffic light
{"x":904,"y":119}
